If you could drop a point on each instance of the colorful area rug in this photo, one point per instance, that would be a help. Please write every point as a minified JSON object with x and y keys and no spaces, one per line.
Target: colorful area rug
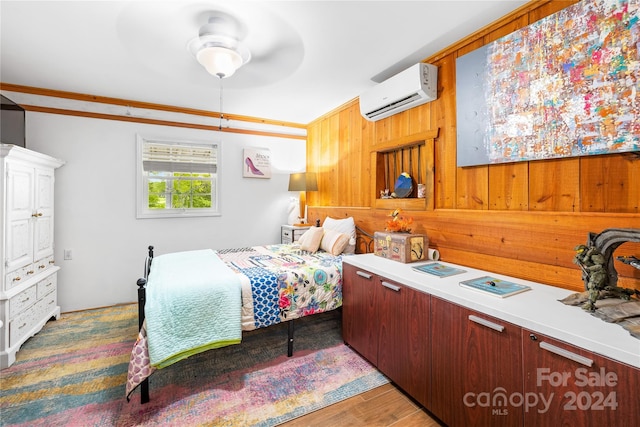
{"x":74,"y":371}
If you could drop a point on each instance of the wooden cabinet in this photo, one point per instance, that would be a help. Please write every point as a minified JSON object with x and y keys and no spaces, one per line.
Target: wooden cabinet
{"x":403,"y":337}
{"x":567,"y":385}
{"x":476,"y":365}
{"x":360,"y":312}
{"x":388,"y":323}
{"x":471,"y":369}
{"x":28,"y":292}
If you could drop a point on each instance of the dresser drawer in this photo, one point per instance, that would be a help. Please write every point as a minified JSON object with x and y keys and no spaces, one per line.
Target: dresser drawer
{"x":287,"y":236}
{"x":297,"y":234}
{"x":22,"y":301}
{"x":46,"y":305}
{"x":47,"y":285}
{"x":18,"y":276}
{"x":291,"y":234}
{"x":43,"y":263}
{"x":22,"y":324}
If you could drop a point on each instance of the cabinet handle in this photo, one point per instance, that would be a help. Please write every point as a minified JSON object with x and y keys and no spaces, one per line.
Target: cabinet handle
{"x":390,"y":286}
{"x":363,"y":274}
{"x":487,"y":323}
{"x":566,"y":354}
{"x":37,"y":214}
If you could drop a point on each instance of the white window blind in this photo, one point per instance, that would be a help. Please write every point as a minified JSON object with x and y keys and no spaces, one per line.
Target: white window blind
{"x":177,"y":178}
{"x":176,"y":157}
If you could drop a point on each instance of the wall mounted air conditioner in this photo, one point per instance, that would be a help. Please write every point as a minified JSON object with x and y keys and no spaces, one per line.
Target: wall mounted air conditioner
{"x":414,"y":86}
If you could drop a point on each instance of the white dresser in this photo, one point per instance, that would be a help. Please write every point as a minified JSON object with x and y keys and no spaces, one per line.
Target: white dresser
{"x":28,"y":292}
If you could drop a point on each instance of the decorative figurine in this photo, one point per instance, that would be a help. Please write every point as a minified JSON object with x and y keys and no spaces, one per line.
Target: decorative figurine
{"x":596,"y":262}
{"x":592,"y":263}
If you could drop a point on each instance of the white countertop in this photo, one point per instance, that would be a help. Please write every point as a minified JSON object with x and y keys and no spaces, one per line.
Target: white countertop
{"x":538,"y":309}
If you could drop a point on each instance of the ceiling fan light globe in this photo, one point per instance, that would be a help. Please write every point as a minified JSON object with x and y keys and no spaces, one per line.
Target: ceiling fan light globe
{"x":219,"y":61}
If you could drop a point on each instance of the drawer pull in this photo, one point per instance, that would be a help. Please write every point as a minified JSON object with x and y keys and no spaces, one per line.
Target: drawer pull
{"x":42,"y":266}
{"x":487,"y":323}
{"x":390,"y":286}
{"x":566,"y":354}
{"x":17,"y":279}
{"x":25,"y":300}
{"x":30,"y":272}
{"x":22,"y":326}
{"x":52,"y":262}
{"x":363,"y":274}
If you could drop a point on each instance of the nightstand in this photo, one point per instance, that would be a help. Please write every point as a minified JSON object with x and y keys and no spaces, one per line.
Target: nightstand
{"x":292,"y":233}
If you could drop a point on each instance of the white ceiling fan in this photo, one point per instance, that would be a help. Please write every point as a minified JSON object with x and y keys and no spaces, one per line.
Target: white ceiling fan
{"x":220,"y":47}
{"x":244,"y":42}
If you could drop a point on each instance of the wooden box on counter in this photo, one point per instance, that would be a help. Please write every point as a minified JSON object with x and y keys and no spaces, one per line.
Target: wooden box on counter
{"x":402,"y":247}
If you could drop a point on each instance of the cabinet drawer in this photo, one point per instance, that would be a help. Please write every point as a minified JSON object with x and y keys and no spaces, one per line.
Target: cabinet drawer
{"x":23,"y":300}
{"x":286,"y":236}
{"x":47,"y":285}
{"x":18,"y":276}
{"x":43,"y":263}
{"x":46,"y":305}
{"x":297,"y":234}
{"x":21,"y":325}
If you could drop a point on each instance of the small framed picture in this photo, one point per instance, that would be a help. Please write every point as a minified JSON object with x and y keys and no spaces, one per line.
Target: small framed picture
{"x":256,"y":163}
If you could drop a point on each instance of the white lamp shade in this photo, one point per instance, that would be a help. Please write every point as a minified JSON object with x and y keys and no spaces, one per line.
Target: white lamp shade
{"x":219,"y":61}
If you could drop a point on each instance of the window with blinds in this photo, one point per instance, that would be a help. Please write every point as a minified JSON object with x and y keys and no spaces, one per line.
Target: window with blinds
{"x":177,"y":179}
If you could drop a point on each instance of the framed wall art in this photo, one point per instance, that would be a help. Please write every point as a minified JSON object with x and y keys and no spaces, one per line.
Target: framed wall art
{"x":567,"y":85}
{"x":256,"y":163}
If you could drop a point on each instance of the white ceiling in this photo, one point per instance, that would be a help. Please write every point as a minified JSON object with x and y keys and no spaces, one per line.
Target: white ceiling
{"x":309,"y":57}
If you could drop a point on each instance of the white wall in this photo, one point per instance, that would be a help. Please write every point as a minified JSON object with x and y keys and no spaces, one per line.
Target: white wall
{"x":95,"y":205}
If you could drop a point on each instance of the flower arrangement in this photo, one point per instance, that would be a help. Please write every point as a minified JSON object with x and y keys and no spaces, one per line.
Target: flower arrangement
{"x":399,"y":223}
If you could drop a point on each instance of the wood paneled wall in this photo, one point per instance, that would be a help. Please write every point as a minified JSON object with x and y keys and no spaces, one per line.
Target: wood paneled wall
{"x":523,"y":219}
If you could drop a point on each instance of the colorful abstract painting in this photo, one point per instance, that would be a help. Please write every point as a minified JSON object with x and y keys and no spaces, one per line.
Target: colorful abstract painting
{"x":566,"y":85}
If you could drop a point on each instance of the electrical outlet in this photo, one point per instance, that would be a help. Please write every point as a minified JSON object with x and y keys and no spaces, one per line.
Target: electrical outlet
{"x":68,"y":254}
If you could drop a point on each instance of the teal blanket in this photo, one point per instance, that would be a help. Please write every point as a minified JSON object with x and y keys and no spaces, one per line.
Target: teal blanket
{"x":193,"y":304}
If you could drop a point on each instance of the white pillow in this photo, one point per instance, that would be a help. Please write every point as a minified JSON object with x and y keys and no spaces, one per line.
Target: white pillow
{"x":346,"y":226}
{"x":310,"y":240}
{"x":334,"y":242}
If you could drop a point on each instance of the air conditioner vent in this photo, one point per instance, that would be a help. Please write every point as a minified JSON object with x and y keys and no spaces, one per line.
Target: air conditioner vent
{"x":412,"y":87}
{"x":393,"y":106}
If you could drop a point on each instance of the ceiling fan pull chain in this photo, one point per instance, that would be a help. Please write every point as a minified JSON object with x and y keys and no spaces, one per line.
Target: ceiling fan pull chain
{"x":221,"y":115}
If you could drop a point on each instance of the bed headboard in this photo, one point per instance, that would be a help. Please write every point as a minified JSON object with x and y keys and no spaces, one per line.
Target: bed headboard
{"x":364,"y":241}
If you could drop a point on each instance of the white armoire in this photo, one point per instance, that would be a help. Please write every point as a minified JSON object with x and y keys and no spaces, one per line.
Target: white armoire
{"x":28,"y":294}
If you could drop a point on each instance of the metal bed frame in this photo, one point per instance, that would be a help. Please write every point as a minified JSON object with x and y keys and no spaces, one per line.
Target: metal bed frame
{"x":364,"y":244}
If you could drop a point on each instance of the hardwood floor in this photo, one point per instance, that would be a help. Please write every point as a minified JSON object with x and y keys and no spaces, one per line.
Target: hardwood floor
{"x":383,"y":406}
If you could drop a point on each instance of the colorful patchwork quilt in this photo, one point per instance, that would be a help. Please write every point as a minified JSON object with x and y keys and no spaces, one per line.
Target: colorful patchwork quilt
{"x":279,"y":283}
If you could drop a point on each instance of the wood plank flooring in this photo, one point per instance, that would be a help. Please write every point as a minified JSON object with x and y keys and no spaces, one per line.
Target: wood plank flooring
{"x":382,"y":407}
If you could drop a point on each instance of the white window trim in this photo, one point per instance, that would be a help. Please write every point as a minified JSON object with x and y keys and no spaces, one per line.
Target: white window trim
{"x":142,"y":199}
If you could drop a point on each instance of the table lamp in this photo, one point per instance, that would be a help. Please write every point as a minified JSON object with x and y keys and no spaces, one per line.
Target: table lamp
{"x":303,"y":182}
